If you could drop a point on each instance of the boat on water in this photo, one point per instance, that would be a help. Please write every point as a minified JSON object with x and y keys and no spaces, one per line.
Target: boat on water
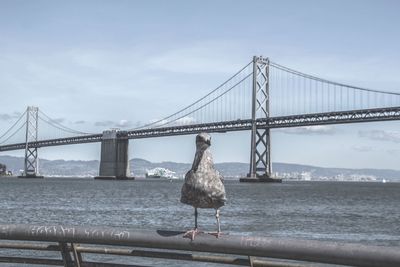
{"x":161,"y":173}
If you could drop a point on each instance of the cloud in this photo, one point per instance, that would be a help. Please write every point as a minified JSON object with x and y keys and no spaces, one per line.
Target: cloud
{"x":316,"y":130}
{"x":119,"y":124}
{"x":80,"y":122}
{"x":124,"y":123}
{"x":58,"y":120}
{"x":179,"y":122}
{"x":157,"y":122}
{"x":393,"y":151}
{"x":6,"y":117}
{"x":185,"y":121}
{"x":210,"y":56}
{"x":104,"y":123}
{"x":362,"y":148}
{"x":381,"y":135}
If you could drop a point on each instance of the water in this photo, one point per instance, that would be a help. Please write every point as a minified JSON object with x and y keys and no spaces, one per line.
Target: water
{"x":366,"y":213}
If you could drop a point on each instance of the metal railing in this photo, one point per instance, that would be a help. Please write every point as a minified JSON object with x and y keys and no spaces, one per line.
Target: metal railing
{"x":72,"y":242}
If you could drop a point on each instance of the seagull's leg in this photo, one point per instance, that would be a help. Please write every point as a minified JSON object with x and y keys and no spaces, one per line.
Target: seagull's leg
{"x":218,"y":233}
{"x":192,"y":233}
{"x":218,"y":223}
{"x":195,"y":218}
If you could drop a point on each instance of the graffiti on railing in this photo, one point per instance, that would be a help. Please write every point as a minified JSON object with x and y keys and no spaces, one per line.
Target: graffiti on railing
{"x":115,"y":234}
{"x":4,"y":230}
{"x":253,"y":241}
{"x":59,"y":231}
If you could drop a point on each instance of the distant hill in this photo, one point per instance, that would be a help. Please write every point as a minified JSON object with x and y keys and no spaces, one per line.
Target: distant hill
{"x":228,"y":169}
{"x":13,"y":163}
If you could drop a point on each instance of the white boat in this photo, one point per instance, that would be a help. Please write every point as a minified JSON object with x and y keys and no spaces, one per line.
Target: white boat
{"x":383,"y":180}
{"x":160,"y":173}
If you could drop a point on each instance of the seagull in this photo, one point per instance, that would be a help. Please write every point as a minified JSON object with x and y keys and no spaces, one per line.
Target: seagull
{"x":203,"y":187}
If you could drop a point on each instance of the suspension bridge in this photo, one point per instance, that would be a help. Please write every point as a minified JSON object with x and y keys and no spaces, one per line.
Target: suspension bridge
{"x":261,"y":96}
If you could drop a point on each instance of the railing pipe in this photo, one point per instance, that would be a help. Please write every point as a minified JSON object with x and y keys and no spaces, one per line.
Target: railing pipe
{"x":305,"y":250}
{"x":118,"y":251}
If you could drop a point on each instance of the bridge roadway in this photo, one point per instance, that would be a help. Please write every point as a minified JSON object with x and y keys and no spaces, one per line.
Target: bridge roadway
{"x":340,"y":117}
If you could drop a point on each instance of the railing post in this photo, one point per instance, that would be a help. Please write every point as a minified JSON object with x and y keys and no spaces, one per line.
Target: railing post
{"x":66,"y":256}
{"x":260,"y":148}
{"x":77,"y":255}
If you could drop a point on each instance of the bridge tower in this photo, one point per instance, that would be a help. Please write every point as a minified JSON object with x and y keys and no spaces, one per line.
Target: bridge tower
{"x":260,"y":151}
{"x":31,"y":164}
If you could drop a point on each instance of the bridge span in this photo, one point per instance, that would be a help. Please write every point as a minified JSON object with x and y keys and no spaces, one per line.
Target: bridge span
{"x":262,"y":96}
{"x":355,"y":116}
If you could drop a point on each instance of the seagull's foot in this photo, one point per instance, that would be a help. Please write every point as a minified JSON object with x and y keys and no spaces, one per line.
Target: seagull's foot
{"x":191,"y":234}
{"x":216,"y":234}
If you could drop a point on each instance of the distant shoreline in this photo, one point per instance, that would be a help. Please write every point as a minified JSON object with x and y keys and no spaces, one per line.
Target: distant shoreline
{"x":227,"y":179}
{"x":231,"y":170}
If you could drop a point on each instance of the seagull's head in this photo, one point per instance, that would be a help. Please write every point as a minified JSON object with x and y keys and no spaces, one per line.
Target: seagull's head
{"x":203,"y":140}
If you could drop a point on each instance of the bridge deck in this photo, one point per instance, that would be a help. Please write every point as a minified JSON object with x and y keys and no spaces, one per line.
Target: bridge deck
{"x":353,"y":116}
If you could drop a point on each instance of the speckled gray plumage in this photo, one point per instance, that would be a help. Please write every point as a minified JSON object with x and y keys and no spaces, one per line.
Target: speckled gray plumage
{"x":203,"y":186}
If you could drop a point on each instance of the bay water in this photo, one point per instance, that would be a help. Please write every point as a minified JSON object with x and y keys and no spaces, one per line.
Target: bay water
{"x":354,"y":212}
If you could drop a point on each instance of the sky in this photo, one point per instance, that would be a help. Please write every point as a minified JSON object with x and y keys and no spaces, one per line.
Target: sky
{"x":95,"y":65}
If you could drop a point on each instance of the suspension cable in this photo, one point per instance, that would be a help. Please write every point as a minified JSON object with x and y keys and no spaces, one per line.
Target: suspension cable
{"x":191,"y":105}
{"x":6,"y":132}
{"x":58,"y":125}
{"x":211,"y":101}
{"x":14,"y":133}
{"x":283,"y":68}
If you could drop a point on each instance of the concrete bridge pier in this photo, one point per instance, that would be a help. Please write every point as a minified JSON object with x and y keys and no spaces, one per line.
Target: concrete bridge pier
{"x":114,"y":161}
